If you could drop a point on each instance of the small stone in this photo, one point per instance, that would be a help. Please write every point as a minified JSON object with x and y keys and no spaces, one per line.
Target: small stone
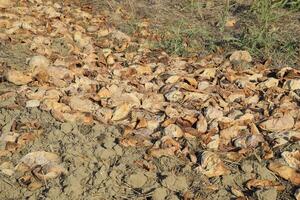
{"x":160,"y":194}
{"x":32,"y":103}
{"x":137,"y":180}
{"x":266,"y":194}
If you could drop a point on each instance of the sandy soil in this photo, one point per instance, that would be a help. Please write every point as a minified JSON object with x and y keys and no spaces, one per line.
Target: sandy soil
{"x":99,"y":168}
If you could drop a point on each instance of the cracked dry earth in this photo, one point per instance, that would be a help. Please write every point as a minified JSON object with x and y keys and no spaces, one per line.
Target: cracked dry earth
{"x":88,"y":112}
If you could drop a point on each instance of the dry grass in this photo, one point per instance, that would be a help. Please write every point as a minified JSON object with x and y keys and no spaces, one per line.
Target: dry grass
{"x":268,"y":29}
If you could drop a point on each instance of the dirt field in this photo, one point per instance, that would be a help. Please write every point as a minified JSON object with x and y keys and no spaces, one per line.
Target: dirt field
{"x":108,"y":100}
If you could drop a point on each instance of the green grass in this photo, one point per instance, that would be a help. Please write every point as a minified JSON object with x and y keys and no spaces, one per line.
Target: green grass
{"x":259,"y":38}
{"x":224,"y":16}
{"x":263,"y":40}
{"x":265,"y":28}
{"x":288,"y":4}
{"x":182,"y":38}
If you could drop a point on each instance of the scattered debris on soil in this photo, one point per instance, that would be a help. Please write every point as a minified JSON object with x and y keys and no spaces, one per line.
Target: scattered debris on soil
{"x":90,"y":112}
